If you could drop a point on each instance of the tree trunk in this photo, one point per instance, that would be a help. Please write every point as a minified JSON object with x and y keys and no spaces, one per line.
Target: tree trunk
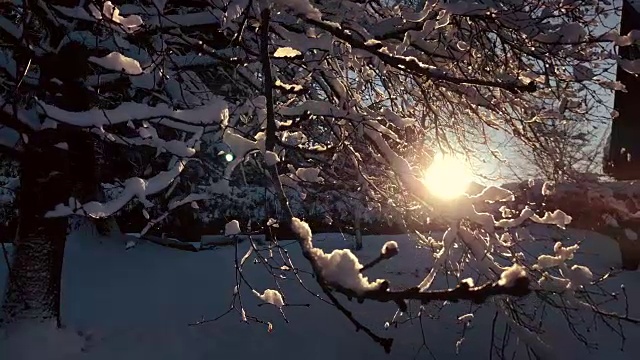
{"x":34,"y":283}
{"x":33,"y":289}
{"x":629,"y":253}
{"x":358,"y":231}
{"x":629,"y":247}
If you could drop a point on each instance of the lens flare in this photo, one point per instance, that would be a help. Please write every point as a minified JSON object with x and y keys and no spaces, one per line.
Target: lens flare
{"x":448,"y":177}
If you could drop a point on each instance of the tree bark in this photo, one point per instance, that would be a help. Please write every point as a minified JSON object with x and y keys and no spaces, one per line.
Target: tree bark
{"x":49,"y":174}
{"x":629,"y":253}
{"x":358,"y":231}
{"x":34,"y":283}
{"x":33,"y":289}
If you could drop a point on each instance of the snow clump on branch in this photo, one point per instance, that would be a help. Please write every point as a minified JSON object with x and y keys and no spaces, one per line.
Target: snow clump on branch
{"x":232,"y":228}
{"x":511,"y":274}
{"x":340,"y":267}
{"x":389,"y":249}
{"x":272,"y":297}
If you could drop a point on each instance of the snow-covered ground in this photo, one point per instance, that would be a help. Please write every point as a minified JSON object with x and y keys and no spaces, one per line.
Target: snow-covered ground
{"x":138,"y":304}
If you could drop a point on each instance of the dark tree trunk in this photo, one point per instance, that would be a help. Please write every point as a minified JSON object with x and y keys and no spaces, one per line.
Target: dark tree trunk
{"x":34,"y":283}
{"x":629,"y":252}
{"x":358,"y":231}
{"x":33,"y":289}
{"x":621,"y":159}
{"x":49,"y":175}
{"x":86,"y":164}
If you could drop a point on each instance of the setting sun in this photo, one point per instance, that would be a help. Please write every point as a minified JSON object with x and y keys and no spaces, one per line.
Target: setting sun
{"x":448,"y":177}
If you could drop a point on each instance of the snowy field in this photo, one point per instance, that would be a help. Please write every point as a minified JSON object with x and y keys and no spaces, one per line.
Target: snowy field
{"x":138,"y":304}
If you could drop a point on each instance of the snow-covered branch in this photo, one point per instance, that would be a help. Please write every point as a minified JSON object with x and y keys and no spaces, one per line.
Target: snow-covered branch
{"x":133,"y":188}
{"x":192,"y":120}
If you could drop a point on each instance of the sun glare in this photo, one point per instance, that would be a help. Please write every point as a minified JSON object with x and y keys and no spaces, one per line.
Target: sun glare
{"x":448,"y":177}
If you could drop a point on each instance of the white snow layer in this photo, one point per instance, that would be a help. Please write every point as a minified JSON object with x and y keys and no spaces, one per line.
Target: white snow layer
{"x":133,"y":187}
{"x":284,"y":52}
{"x":390,"y":248}
{"x":118,"y":62}
{"x":232,"y":228}
{"x":580,"y":275}
{"x":525,"y":214}
{"x":288,"y":87}
{"x":308,"y":174}
{"x":562,"y":254}
{"x":547,"y":261}
{"x":466,"y":318}
{"x":192,"y":120}
{"x":494,"y":193}
{"x":558,"y":218}
{"x":271,"y":158}
{"x":302,"y":229}
{"x":511,"y":274}
{"x":468,"y":281}
{"x":302,"y":7}
{"x":396,"y":120}
{"x":574,"y":277}
{"x":272,"y":297}
{"x":130,"y":23}
{"x":341,"y":267}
